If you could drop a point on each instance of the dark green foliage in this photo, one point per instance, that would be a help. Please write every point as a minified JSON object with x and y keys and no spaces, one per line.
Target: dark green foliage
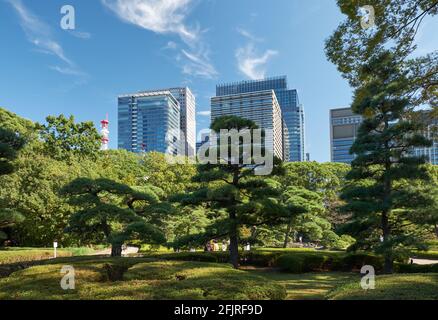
{"x":380,"y":198}
{"x":233,"y":189}
{"x":10,"y":144}
{"x":396,"y":25}
{"x":416,"y":268}
{"x":63,"y":138}
{"x":113,"y":212}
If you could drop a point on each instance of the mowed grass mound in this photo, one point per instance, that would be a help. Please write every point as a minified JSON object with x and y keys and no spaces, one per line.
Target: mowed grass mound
{"x":8,"y":256}
{"x":391,"y":287}
{"x":18,"y":255}
{"x":141,"y":279}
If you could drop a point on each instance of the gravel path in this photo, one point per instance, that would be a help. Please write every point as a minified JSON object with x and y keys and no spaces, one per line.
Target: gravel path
{"x":424,"y":261}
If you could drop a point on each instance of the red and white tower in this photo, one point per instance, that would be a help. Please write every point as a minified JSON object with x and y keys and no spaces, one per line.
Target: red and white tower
{"x":105,"y":134}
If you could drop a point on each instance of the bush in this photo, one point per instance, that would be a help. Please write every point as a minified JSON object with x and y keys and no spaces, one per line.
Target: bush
{"x":287,"y":260}
{"x":416,"y":268}
{"x":306,"y":262}
{"x":355,"y":261}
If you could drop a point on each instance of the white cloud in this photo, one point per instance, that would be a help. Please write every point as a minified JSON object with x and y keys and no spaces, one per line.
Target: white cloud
{"x":168,"y":17}
{"x":204,"y":113}
{"x":80,"y":34}
{"x":252,"y":64}
{"x":160,"y":16}
{"x":198,"y":64}
{"x":67,"y":71}
{"x":171,"y":45}
{"x":38,"y":32}
{"x":40,"y":35}
{"x":248,"y":35}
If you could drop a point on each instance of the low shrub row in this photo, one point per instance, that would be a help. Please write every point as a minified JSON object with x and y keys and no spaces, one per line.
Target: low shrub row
{"x":294,"y":262}
{"x":302,"y":263}
{"x":416,"y":268}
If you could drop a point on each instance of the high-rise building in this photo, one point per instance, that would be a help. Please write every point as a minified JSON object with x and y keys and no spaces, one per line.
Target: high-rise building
{"x":187,"y":103}
{"x":149,"y":121}
{"x":344,"y":125}
{"x":262,"y":107}
{"x":292,"y":111}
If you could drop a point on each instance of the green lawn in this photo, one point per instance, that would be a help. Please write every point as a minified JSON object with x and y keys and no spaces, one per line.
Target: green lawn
{"x":144,"y":279}
{"x":391,"y":287}
{"x":151,"y":278}
{"x":308,"y":286}
{"x":14,"y":255}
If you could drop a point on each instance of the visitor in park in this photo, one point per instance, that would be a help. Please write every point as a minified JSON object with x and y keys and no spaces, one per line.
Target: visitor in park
{"x":215,"y":246}
{"x":224,"y":246}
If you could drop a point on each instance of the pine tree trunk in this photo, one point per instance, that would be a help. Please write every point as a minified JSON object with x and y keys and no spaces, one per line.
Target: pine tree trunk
{"x":116,"y":250}
{"x":386,"y":229}
{"x":234,"y":243}
{"x":287,"y":234}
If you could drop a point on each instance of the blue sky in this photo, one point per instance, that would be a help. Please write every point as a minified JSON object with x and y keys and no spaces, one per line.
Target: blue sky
{"x":123,"y":46}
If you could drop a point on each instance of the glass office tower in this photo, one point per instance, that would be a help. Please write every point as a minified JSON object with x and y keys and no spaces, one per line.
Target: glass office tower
{"x":261,"y":107}
{"x":292,"y":111}
{"x":149,"y":121}
{"x":187,"y":103}
{"x":344,"y":125}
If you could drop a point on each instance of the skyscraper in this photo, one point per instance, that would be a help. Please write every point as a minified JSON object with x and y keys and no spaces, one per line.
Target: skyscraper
{"x":261,"y":107}
{"x":292,"y":111}
{"x":344,"y":125}
{"x":149,"y":121}
{"x":187,"y":103}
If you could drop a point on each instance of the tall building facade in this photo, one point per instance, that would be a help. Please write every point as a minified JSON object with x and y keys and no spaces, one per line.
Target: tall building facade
{"x":149,"y":121}
{"x":262,"y":107}
{"x":187,"y":103}
{"x":344,"y":125}
{"x":292,"y":111}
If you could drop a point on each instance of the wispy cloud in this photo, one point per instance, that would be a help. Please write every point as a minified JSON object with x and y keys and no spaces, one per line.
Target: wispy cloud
{"x":67,"y":71}
{"x":204,"y":113}
{"x":245,"y":33}
{"x":39,"y":34}
{"x":251,"y":64}
{"x":168,"y":17}
{"x":80,"y":34}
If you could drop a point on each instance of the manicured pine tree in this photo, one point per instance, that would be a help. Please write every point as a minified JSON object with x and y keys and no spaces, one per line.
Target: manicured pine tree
{"x":114,"y":213}
{"x":379,"y":192}
{"x":232,"y":187}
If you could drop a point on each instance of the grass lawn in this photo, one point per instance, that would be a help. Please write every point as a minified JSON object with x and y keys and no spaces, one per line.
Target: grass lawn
{"x":391,"y":287}
{"x":14,"y":255}
{"x":144,"y":279}
{"x":308,"y":286}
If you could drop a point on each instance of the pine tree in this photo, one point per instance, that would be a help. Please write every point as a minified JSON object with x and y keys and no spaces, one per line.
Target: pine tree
{"x":10,"y":144}
{"x":231,"y":187}
{"x":379,"y":193}
{"x":114,"y":213}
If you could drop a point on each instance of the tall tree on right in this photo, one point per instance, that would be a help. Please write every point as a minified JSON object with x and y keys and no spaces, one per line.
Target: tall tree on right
{"x":379,"y":192}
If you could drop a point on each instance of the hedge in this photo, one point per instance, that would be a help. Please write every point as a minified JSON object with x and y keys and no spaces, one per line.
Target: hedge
{"x":294,"y":262}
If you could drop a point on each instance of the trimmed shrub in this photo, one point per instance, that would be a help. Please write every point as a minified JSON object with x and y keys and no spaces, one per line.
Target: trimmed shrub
{"x":416,"y":268}
{"x":355,"y":261}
